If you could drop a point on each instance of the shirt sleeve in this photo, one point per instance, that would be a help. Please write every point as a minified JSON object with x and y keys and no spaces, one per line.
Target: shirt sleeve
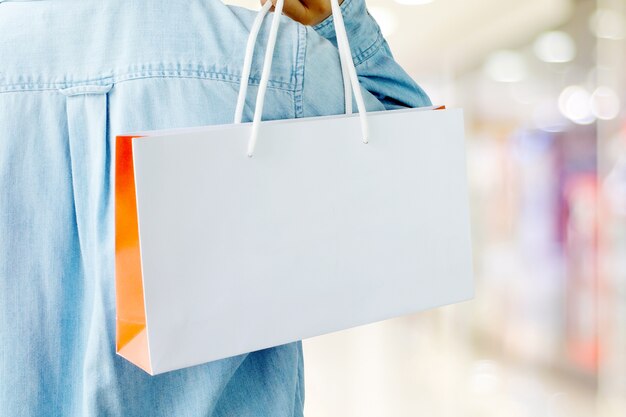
{"x":389,"y":86}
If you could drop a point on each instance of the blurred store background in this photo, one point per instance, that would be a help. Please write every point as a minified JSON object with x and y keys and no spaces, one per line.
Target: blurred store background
{"x":543,"y":86}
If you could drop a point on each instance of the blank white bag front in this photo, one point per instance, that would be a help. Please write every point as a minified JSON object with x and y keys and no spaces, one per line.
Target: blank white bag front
{"x":317,"y":232}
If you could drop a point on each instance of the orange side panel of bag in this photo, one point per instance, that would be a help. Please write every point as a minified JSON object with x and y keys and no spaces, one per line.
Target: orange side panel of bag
{"x":132,"y":342}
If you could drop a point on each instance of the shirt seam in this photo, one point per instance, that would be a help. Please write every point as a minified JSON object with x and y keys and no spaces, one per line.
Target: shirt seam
{"x":345,"y":6}
{"x":370,"y":51}
{"x":300,"y":61}
{"x":361,"y":54}
{"x":217,"y":76}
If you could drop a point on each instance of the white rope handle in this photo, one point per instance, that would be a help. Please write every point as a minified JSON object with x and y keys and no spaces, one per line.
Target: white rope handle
{"x":348,"y":71}
{"x":265,"y":75}
{"x":247,"y":61}
{"x":342,"y":43}
{"x":247,"y":64}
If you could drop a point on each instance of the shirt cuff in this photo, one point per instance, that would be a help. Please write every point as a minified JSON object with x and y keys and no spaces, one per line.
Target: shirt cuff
{"x":364,"y":34}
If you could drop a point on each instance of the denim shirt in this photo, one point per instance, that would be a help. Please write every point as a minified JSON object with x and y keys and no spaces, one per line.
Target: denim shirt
{"x":73,"y":74}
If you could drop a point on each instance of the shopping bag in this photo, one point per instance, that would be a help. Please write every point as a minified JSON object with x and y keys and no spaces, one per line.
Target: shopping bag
{"x":219,"y":254}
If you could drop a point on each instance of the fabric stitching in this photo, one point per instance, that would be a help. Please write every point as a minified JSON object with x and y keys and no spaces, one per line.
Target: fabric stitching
{"x":361,"y":55}
{"x":220,"y":76}
{"x":300,"y":60}
{"x":370,"y":51}
{"x":346,"y":6}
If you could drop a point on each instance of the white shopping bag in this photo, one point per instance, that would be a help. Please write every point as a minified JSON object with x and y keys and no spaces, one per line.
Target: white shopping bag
{"x":219,"y":254}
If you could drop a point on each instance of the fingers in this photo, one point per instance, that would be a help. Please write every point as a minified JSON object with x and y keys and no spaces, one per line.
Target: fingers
{"x":295,"y":9}
{"x":265,"y":1}
{"x":307,"y":12}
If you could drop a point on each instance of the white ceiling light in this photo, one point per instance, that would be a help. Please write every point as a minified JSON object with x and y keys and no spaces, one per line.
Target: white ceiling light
{"x":506,"y":66}
{"x":574,"y":103}
{"x":386,"y":19}
{"x":555,"y":47}
{"x":413,"y":2}
{"x":605,"y":103}
{"x":608,"y":24}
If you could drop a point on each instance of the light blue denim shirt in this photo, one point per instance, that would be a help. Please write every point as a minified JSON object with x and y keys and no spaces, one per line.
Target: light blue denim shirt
{"x":73,"y":74}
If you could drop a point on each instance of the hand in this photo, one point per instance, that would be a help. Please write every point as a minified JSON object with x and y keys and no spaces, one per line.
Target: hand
{"x":307,"y":12}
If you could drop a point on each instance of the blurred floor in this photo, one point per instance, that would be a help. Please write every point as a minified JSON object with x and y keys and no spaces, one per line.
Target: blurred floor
{"x":418,"y":366}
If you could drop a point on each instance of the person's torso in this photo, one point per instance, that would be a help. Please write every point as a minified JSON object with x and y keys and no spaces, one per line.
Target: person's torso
{"x":79,"y":44}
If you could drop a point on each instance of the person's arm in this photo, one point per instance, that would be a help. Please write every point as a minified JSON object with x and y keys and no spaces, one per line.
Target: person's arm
{"x":389,"y":85}
{"x":378,"y":72}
